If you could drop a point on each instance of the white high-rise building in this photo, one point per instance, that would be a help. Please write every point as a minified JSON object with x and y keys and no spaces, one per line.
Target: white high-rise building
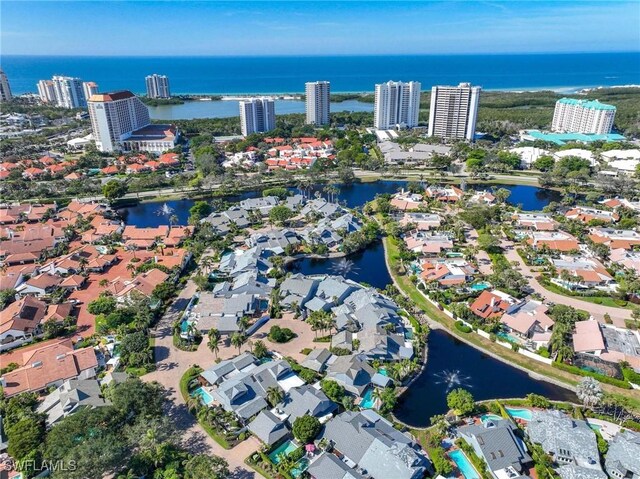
{"x":5,"y":88}
{"x":69,"y":92}
{"x":157,"y":86}
{"x":318,"y":99}
{"x":454,"y":111}
{"x":583,"y":116}
{"x":396,"y":104}
{"x":257,"y":115}
{"x":89,"y":89}
{"x":114,"y":116}
{"x":47,"y":91}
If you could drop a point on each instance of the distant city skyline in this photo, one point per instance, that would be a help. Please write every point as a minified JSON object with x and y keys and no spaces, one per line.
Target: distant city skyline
{"x":293,"y":28}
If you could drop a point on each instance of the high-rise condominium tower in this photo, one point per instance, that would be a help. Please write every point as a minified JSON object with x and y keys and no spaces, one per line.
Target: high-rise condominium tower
{"x":47,"y":91}
{"x":69,"y":92}
{"x":114,"y":116}
{"x":318,"y":95}
{"x":89,"y":89}
{"x":583,"y":116}
{"x":257,"y":115}
{"x":454,"y":110}
{"x":396,"y":104}
{"x":157,"y":86}
{"x":5,"y":88}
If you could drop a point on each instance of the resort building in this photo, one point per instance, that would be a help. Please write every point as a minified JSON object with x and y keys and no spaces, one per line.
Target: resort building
{"x":157,"y":86}
{"x":570,"y":442}
{"x":317,"y":102}
{"x":5,"y":88}
{"x":397,"y":105}
{"x":583,"y":116}
{"x":120,"y":121}
{"x":498,"y":444}
{"x":372,"y":447}
{"x":454,"y":110}
{"x":257,"y":115}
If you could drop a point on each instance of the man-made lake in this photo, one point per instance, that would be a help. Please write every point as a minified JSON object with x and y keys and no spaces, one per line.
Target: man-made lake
{"x":230,"y":108}
{"x":531,"y":198}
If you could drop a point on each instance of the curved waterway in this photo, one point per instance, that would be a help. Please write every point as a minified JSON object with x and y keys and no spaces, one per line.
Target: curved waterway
{"x":451,"y":363}
{"x":530,"y":198}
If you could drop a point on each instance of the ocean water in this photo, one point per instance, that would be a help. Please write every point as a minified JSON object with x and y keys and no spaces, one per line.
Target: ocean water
{"x":280,"y":74}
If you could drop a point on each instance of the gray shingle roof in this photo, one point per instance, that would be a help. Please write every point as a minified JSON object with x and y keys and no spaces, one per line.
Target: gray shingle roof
{"x":328,"y":466}
{"x":307,"y":400}
{"x":623,"y":456}
{"x":268,"y":427}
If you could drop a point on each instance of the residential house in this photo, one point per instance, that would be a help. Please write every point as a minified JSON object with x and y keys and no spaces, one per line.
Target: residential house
{"x":628,"y":259}
{"x":223,"y":370}
{"x":498,"y":444}
{"x":50,"y":366}
{"x":263,"y":205}
{"x":529,"y":321}
{"x":297,"y":289}
{"x":586,"y":215}
{"x":41,"y":285}
{"x":274,"y":240}
{"x":421,"y":221}
{"x":623,"y":456}
{"x":144,"y":238}
{"x":535,"y":221}
{"x":588,"y":338}
{"x":307,"y":400}
{"x":373,"y":447}
{"x":406,"y":201}
{"x":585,"y":273}
{"x":143,"y":284}
{"x":446,"y":272}
{"x":322,"y":208}
{"x":269,"y":428}
{"x":615,"y":239}
{"x":553,"y":240}
{"x":329,"y":466}
{"x":571,"y":443}
{"x":446,"y":194}
{"x":71,"y":396}
{"x":352,"y":372}
{"x":22,"y":319}
{"x":318,"y":359}
{"x":492,"y":304}
{"x":428,"y":244}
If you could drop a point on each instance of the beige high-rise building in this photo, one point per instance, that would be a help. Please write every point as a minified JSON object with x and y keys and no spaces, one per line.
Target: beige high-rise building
{"x":5,"y":88}
{"x":89,"y":89}
{"x":454,"y":111}
{"x":47,"y":91}
{"x":317,"y":102}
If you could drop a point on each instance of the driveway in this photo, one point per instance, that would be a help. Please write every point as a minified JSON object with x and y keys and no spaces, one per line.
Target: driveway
{"x":618,"y":315}
{"x":171,"y":364}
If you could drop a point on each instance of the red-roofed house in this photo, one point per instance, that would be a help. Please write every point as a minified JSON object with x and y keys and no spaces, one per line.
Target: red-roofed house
{"x":492,"y":304}
{"x":32,"y":173}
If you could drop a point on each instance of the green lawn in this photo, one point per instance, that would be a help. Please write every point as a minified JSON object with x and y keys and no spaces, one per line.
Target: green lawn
{"x":407,"y":287}
{"x":602,"y":300}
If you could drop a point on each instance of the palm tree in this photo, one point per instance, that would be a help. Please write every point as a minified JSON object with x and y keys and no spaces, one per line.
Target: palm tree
{"x":132,"y":248}
{"x":214,"y":340}
{"x":103,"y":283}
{"x":589,"y":392}
{"x":274,"y":395}
{"x":237,"y":340}
{"x":206,"y":263}
{"x":131,"y":268}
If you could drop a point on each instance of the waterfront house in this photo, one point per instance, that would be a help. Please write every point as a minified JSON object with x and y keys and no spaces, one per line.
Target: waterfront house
{"x":428,"y":244}
{"x":263,"y":205}
{"x":275,"y":240}
{"x":534,"y":221}
{"x":373,"y":447}
{"x":449,"y":272}
{"x":623,"y":456}
{"x":241,"y":261}
{"x":406,"y":201}
{"x":352,"y":372}
{"x":421,"y":221}
{"x":446,"y":194}
{"x":586,"y":215}
{"x":571,"y":443}
{"x":496,"y":442}
{"x":492,"y":304}
{"x":588,"y":338}
{"x":529,"y":321}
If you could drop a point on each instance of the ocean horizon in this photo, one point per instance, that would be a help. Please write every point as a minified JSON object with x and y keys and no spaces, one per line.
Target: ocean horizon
{"x":562,"y":72}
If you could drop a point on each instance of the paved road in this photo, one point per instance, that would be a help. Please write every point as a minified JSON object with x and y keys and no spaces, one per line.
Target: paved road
{"x":171,"y":364}
{"x":618,"y":315}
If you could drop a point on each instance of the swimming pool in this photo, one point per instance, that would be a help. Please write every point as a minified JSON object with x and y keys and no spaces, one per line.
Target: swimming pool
{"x":480,"y":286}
{"x":595,"y":427}
{"x":490,"y":417}
{"x":203,"y":394}
{"x":383,"y":372}
{"x":464,"y":465}
{"x":507,"y":337}
{"x":524,"y":414}
{"x":301,"y":466}
{"x":285,"y":448}
{"x":368,"y":401}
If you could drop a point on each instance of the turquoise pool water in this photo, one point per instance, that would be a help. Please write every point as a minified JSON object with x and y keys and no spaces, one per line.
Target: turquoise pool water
{"x":524,"y":414}
{"x":203,"y":394}
{"x":595,"y":427}
{"x":490,"y":417}
{"x":464,"y":465}
{"x":507,"y":337}
{"x":480,"y":286}
{"x":383,"y":372}
{"x":367,"y":400}
{"x":184,"y":326}
{"x":285,"y":448}
{"x":455,"y":255}
{"x":301,"y":466}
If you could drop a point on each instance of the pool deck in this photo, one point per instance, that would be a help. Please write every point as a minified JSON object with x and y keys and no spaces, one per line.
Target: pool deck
{"x":607,"y":429}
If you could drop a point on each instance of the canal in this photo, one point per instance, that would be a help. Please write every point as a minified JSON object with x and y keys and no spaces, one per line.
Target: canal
{"x":451,"y":363}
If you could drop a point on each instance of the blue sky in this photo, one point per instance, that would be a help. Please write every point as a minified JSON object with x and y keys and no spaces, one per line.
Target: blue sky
{"x":316,"y":28}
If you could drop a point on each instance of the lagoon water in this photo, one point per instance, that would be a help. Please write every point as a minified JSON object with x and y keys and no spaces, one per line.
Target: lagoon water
{"x":231,"y":108}
{"x":349,"y":73}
